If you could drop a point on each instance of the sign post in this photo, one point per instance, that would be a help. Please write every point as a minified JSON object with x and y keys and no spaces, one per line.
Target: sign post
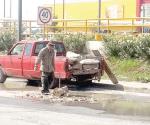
{"x":44,"y":17}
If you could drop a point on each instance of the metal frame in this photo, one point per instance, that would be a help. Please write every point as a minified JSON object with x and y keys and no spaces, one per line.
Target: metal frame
{"x":87,"y":26}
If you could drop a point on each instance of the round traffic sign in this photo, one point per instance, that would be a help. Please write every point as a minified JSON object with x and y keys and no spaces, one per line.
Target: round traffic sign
{"x":45,"y":15}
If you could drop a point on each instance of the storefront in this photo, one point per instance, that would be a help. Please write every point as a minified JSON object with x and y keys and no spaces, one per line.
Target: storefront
{"x":143,"y":8}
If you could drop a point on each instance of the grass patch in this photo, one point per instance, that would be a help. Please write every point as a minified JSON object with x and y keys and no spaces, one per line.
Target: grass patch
{"x":130,"y":69}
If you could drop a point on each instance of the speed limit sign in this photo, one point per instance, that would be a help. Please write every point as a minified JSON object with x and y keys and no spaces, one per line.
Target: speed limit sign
{"x":44,"y":15}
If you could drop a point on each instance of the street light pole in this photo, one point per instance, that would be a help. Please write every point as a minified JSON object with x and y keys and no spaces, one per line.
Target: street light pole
{"x":63,"y":9}
{"x":19,"y":20}
{"x":99,"y":15}
{"x":10,"y":9}
{"x":63,"y":13}
{"x":4,"y":9}
{"x":54,"y":7}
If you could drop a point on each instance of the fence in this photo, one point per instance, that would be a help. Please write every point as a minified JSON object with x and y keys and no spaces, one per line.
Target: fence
{"x":109,"y":25}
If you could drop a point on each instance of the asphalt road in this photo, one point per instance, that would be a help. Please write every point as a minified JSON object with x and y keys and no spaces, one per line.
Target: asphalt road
{"x":16,"y":111}
{"x":23,"y":112}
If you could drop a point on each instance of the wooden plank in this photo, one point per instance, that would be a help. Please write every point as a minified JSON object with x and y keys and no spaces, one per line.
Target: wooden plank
{"x":109,"y":73}
{"x":106,"y":67}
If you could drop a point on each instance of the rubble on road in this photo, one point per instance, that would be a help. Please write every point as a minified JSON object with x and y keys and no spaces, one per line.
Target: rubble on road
{"x":58,"y":95}
{"x":60,"y":91}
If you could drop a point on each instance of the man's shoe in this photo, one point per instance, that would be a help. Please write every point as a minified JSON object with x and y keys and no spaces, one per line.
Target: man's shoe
{"x":45,"y":92}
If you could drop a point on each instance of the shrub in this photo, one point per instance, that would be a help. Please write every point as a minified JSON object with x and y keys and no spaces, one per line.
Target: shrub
{"x":75,"y":42}
{"x":7,"y":39}
{"x":128,"y":46}
{"x":144,"y":45}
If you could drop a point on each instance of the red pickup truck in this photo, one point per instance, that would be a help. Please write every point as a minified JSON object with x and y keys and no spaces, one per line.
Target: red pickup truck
{"x":19,"y":62}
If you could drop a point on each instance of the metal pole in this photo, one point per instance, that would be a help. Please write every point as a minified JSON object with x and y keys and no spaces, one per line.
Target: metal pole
{"x":143,"y":20}
{"x":63,"y":13}
{"x":63,"y":9}
{"x":44,"y":31}
{"x":10,"y":9}
{"x":4,"y":9}
{"x":99,"y":15}
{"x":54,"y":8}
{"x":10,"y":13}
{"x":19,"y":20}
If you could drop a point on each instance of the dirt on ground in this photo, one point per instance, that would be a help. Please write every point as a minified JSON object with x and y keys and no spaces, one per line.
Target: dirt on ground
{"x":121,"y":99}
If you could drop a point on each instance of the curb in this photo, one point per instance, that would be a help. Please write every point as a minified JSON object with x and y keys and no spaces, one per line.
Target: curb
{"x":130,"y":86}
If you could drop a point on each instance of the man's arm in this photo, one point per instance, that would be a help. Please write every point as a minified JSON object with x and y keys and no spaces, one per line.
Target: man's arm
{"x":53,"y":59}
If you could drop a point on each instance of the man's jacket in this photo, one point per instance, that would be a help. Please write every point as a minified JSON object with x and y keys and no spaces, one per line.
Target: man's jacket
{"x":46,"y":58}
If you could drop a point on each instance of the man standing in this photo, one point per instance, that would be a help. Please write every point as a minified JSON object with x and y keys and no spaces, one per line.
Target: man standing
{"x":46,"y":58}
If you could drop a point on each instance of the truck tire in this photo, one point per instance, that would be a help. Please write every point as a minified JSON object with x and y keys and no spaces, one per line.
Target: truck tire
{"x":31,"y":82}
{"x":2,"y":76}
{"x":84,"y":80}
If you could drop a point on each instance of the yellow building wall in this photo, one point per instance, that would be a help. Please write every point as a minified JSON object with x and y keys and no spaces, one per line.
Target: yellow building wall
{"x":129,"y":7}
{"x":89,"y":10}
{"x":77,"y":10}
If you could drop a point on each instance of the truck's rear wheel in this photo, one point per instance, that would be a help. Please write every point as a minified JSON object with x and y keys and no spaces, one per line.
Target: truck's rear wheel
{"x":2,"y":76}
{"x":84,"y":80}
{"x":31,"y":82}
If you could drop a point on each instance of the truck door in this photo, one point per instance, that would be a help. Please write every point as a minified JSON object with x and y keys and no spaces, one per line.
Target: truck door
{"x":36,"y":49}
{"x":15,"y":60}
{"x":26,"y":62}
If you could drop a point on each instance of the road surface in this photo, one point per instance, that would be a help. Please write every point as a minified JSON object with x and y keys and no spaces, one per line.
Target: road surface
{"x":15,"y":110}
{"x":23,"y":112}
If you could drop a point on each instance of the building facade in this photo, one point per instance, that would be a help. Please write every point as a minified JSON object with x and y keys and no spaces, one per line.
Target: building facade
{"x":109,"y":9}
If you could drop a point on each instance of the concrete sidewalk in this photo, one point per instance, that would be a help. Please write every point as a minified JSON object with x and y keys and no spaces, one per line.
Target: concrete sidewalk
{"x":134,"y":85}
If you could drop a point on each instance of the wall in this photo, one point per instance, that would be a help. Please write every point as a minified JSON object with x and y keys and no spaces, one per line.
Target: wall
{"x":89,"y":10}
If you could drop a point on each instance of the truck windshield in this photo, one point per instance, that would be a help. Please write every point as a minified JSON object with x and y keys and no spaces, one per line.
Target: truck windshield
{"x":59,"y":47}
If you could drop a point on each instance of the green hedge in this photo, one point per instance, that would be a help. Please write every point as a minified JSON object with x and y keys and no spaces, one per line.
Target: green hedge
{"x":128,"y":46}
{"x":7,"y":39}
{"x":120,"y":46}
{"x":75,"y":42}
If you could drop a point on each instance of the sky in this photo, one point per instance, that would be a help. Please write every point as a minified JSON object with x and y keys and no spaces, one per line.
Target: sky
{"x":29,"y":7}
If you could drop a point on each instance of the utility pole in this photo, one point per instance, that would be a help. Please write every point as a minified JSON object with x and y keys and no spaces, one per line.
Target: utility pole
{"x":99,"y":15}
{"x":63,"y":13}
{"x":63,"y":9}
{"x":19,"y":20}
{"x":54,"y":7}
{"x":10,"y":9}
{"x":4,"y":9}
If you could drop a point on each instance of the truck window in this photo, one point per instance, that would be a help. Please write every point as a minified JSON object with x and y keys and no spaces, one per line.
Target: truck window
{"x":28,"y":49}
{"x":38,"y":47}
{"x":18,"y":49}
{"x":59,"y":48}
